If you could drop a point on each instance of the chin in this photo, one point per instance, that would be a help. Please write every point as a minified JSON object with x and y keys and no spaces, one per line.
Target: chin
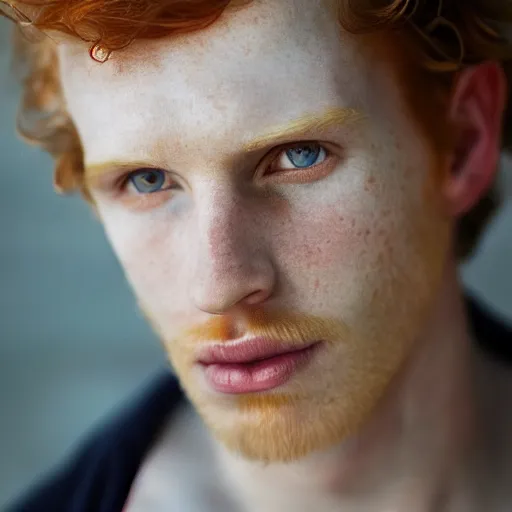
{"x":282,"y":428}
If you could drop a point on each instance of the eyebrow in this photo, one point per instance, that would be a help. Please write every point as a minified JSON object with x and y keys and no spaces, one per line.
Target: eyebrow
{"x":309,"y":123}
{"x":304,"y":125}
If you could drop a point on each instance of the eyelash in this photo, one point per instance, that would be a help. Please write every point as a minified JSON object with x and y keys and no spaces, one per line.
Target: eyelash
{"x":274,"y":156}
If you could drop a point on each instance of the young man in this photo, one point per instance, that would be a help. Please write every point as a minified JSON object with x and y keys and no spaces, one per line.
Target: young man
{"x":287,"y":185}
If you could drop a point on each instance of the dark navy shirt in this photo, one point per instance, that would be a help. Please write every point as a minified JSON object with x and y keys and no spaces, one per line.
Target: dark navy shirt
{"x":98,"y":477}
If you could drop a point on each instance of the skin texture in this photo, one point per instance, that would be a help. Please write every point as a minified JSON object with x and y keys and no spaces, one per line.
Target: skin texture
{"x":356,"y":250}
{"x":359,"y":242}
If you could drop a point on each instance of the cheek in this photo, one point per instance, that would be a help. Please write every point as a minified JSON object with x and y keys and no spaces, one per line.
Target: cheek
{"x":358,"y":225}
{"x":148,"y":252}
{"x":344,"y":255}
{"x":334,"y":239}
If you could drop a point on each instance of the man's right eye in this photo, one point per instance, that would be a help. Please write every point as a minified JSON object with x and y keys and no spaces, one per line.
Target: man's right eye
{"x":149,"y":181}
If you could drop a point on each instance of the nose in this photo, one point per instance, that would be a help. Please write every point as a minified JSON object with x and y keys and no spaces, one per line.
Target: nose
{"x":232,"y":267}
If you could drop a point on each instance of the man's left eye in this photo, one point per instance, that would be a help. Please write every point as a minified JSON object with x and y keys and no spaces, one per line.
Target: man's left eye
{"x":302,"y":157}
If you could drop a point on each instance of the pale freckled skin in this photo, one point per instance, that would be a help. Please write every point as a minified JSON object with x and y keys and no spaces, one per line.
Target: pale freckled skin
{"x":343,"y":247}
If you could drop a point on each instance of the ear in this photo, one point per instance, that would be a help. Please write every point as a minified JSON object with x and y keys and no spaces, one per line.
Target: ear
{"x":476,"y":111}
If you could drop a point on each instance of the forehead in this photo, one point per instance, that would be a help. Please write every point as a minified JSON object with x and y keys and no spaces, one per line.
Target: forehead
{"x":272,"y":61}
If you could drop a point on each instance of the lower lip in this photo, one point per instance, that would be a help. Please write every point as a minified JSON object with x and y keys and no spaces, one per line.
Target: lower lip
{"x":236,"y":378}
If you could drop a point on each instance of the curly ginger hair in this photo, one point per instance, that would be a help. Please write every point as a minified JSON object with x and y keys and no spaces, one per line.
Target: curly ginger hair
{"x":447,"y":35}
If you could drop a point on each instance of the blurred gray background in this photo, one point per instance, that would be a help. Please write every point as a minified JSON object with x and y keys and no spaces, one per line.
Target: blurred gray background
{"x":73,"y":345}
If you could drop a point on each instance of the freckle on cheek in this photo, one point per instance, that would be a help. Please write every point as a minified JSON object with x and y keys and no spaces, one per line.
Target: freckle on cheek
{"x":369,"y":184}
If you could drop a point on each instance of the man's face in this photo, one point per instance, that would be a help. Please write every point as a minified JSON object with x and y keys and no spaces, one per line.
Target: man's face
{"x":257,"y":218}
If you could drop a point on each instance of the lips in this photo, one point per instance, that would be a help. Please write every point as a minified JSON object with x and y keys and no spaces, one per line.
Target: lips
{"x":255,"y":365}
{"x":256,"y":349}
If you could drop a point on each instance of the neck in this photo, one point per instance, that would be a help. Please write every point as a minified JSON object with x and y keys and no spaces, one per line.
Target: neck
{"x":410,"y":456}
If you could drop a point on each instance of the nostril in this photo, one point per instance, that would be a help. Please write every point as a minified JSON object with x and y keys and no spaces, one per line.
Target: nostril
{"x":256,"y":297}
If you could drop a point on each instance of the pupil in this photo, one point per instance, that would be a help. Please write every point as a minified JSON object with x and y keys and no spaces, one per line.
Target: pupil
{"x":150,"y":178}
{"x":148,"y":181}
{"x":303,"y":156}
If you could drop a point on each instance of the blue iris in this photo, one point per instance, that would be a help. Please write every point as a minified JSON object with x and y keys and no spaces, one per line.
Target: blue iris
{"x":147,"y":181}
{"x":304,"y":156}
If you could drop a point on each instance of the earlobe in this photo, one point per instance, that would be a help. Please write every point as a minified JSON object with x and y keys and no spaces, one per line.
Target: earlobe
{"x":477,"y":107}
